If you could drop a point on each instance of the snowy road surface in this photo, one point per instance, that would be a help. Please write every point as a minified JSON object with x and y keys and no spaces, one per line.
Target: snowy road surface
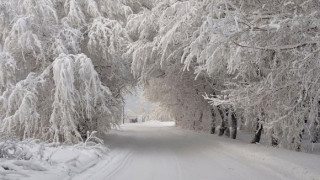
{"x":142,"y":152}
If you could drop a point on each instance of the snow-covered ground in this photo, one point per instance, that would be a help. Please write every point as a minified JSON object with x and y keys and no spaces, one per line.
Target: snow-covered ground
{"x":159,"y":151}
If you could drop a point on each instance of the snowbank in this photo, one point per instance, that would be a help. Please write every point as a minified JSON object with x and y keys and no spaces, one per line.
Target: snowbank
{"x":31,"y":159}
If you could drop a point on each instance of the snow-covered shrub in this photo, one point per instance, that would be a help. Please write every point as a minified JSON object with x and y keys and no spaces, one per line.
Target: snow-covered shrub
{"x":10,"y":148}
{"x":93,"y":143}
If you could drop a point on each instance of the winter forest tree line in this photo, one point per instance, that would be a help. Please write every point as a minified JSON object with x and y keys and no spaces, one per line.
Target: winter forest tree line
{"x":213,"y":65}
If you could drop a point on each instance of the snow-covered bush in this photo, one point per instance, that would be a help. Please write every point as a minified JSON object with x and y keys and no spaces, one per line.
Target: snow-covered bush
{"x":10,"y":148}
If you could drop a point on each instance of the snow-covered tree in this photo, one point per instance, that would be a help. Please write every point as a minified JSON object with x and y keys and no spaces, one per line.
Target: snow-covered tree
{"x":62,"y":73}
{"x":159,"y":112}
{"x":268,"y":52}
{"x":258,"y":59}
{"x":158,"y":38}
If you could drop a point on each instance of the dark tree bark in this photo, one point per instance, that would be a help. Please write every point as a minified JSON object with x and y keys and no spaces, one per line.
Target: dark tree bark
{"x":227,"y":132}
{"x":316,"y":133}
{"x":234,"y":125}
{"x":222,"y":129}
{"x":257,"y":135}
{"x":227,"y":123}
{"x":223,"y":122}
{"x":315,"y":130}
{"x":298,"y":142}
{"x":213,"y":123}
{"x":274,"y":141}
{"x":201,"y":116}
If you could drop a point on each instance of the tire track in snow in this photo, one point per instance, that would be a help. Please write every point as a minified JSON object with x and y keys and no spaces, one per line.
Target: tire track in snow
{"x":178,"y":166}
{"x":108,"y":168}
{"x":120,"y":164}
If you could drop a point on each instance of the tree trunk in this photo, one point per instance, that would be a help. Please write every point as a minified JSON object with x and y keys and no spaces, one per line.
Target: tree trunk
{"x":298,"y":142}
{"x":233,"y":125}
{"x":227,"y":122}
{"x":201,"y":116}
{"x":227,"y":132}
{"x":257,"y":135}
{"x":223,"y":122}
{"x":315,"y":133}
{"x":274,"y":141}
{"x":213,"y":122}
{"x":221,"y":131}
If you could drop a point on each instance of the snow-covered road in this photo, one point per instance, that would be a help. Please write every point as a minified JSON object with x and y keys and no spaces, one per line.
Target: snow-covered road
{"x":155,"y":152}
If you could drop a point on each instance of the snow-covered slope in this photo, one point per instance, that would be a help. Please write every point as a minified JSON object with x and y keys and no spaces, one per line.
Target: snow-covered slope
{"x":157,"y":151}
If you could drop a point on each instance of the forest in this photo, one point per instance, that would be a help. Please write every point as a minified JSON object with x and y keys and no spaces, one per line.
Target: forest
{"x":216,"y":66}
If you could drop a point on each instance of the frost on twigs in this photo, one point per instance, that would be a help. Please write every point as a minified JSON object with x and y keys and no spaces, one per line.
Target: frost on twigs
{"x":106,"y":37}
